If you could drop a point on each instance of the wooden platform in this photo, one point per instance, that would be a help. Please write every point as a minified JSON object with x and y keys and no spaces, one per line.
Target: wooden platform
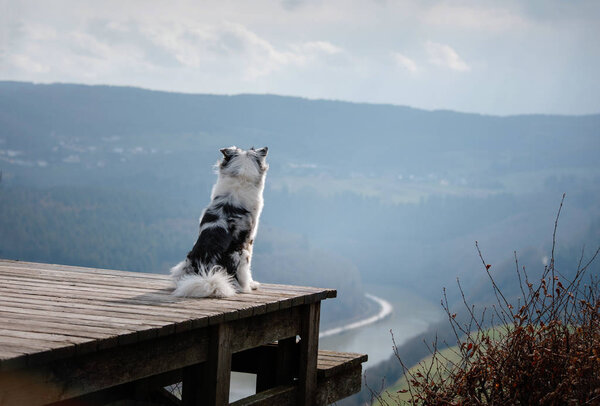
{"x":68,"y":332}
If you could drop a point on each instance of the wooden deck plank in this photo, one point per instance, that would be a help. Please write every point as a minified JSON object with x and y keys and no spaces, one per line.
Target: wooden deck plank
{"x":62,"y":287}
{"x":135,"y":324}
{"x":162,"y":281}
{"x":83,"y":272}
{"x":117,"y":284}
{"x":73,"y":268}
{"x":166,"y":300}
{"x":128,"y":315}
{"x":246,"y":304}
{"x":142,"y":276}
{"x":190,"y":308}
{"x":49,"y":311}
{"x":8,"y":334}
{"x":78,"y":307}
{"x":32,"y":320}
{"x":82,"y":303}
{"x":42,"y":325}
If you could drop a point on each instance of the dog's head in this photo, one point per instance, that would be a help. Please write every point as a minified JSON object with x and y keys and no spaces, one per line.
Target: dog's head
{"x":249,"y":164}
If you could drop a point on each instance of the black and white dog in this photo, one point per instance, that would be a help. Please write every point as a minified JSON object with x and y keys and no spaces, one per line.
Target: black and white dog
{"x":219,"y":263}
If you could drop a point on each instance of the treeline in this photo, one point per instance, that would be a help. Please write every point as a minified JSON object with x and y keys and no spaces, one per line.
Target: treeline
{"x":569,"y":255}
{"x":145,"y":232}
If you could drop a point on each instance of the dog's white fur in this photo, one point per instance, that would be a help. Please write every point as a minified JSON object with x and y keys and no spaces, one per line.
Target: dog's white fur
{"x":240,"y":185}
{"x":215,"y":282}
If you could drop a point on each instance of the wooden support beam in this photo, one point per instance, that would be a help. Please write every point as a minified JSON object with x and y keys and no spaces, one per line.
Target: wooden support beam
{"x":329,"y":389}
{"x":162,"y":397}
{"x":275,"y":364}
{"x":216,"y":374}
{"x":338,"y":386}
{"x":309,"y":344}
{"x":63,"y":379}
{"x":191,"y":392}
{"x":266,"y":374}
{"x":287,"y":360}
{"x":284,"y":395}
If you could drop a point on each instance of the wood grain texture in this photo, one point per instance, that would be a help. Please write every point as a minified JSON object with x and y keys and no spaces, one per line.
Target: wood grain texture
{"x":327,"y":391}
{"x":50,"y":311}
{"x":80,"y":333}
{"x":284,"y":395}
{"x":309,"y":344}
{"x":333,"y":382}
{"x":214,"y":386}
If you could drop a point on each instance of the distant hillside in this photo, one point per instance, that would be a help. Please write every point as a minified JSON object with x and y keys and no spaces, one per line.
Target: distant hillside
{"x":117,"y":177}
{"x":143,"y":232}
{"x":382,"y":193}
{"x":102,"y":125}
{"x":404,"y":178}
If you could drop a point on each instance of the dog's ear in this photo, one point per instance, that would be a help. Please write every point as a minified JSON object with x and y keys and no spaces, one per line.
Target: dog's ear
{"x":262,"y":152}
{"x":228,"y":152}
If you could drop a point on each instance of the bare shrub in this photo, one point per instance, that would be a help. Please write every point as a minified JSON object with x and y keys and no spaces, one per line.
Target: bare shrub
{"x":541,"y":349}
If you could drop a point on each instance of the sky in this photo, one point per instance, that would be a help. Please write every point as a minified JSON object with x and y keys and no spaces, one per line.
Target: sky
{"x":491,"y":57}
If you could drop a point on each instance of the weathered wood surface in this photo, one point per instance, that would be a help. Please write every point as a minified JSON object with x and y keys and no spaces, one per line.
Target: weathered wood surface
{"x":52,"y":312}
{"x":339,"y":375}
{"x":309,"y":346}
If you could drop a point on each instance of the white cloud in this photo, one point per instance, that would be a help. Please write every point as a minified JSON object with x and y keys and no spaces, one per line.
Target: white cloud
{"x":444,"y":55}
{"x":318,"y":49}
{"x":404,"y":62}
{"x":237,"y":46}
{"x":225,"y":49}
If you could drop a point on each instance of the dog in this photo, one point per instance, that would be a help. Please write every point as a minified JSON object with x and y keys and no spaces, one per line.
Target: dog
{"x":219,"y":263}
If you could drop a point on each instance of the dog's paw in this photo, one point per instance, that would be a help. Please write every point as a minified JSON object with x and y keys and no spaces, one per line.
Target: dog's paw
{"x":254,"y":285}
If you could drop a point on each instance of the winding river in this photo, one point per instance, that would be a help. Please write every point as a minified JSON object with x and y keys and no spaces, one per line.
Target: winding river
{"x":399,"y":310}
{"x":385,"y":309}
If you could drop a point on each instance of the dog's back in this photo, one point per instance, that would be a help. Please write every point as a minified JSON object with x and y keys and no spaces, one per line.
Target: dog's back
{"x":220,"y":260}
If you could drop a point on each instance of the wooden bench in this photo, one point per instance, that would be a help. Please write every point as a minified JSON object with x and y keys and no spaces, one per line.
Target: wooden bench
{"x":339,"y":375}
{"x":71,"y":335}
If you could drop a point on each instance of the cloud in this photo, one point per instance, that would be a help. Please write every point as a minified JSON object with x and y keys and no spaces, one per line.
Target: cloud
{"x":100,"y":48}
{"x":404,"y":62}
{"x":444,"y":55}
{"x":320,"y":49}
{"x":235,"y":45}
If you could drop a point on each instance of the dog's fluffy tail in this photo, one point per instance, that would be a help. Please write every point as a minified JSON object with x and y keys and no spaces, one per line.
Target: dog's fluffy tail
{"x":215,"y":282}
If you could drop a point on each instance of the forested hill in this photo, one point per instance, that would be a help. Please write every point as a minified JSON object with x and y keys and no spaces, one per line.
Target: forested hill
{"x":339,"y":136}
{"x":117,"y":177}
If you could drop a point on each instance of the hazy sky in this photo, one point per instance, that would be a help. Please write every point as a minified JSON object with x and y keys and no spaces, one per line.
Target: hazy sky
{"x":498,"y":57}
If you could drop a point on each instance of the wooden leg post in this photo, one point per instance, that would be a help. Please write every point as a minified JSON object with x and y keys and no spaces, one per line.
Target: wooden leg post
{"x":208,"y":383}
{"x":287,"y":360}
{"x":190,"y":385}
{"x":266,"y":373}
{"x":309,"y":348}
